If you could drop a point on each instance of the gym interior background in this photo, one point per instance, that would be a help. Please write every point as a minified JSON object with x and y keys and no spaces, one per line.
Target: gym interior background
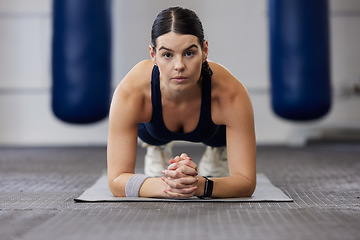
{"x":238,"y":37}
{"x":45,"y":163}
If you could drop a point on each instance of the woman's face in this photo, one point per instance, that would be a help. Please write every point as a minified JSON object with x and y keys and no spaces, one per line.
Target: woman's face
{"x":179,"y":58}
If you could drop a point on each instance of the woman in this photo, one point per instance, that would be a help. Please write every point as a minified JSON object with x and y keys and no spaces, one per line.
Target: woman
{"x":179,"y":95}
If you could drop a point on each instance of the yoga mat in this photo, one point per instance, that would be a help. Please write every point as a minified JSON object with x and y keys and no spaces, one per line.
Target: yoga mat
{"x":265,"y":192}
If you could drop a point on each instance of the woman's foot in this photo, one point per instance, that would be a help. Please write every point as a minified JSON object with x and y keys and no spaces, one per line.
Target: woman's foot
{"x":214,"y":162}
{"x":157,"y":159}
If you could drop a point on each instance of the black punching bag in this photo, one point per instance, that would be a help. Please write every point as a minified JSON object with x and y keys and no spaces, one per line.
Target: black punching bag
{"x":299,"y":58}
{"x":81,"y":60}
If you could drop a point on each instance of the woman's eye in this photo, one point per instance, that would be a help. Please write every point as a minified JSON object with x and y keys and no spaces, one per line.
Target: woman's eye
{"x":167,"y":55}
{"x":189,"y":54}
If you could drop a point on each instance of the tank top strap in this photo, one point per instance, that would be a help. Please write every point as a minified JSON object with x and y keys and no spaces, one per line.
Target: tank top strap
{"x":205,"y":115}
{"x":155,"y":93}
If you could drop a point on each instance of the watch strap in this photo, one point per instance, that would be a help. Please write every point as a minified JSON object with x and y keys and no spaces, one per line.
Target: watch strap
{"x":208,"y":189}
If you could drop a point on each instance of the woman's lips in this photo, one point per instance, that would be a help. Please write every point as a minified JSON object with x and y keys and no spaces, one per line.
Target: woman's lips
{"x":179,"y":79}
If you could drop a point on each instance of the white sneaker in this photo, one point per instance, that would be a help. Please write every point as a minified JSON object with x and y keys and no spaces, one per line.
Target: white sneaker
{"x":214,"y":162}
{"x":157,"y":159}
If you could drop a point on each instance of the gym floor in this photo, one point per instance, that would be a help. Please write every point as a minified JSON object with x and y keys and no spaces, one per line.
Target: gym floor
{"x":38,"y":185}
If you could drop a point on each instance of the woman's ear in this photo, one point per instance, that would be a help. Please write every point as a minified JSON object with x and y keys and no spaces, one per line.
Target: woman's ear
{"x":152,"y":53}
{"x":205,"y":50}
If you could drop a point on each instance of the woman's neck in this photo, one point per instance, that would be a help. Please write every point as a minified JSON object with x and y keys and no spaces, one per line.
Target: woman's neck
{"x":181,"y":96}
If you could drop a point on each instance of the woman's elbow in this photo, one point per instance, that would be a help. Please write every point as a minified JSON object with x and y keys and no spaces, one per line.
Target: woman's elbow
{"x":115,"y":188}
{"x":116,"y":194}
{"x":246,"y":189}
{"x":250,"y":189}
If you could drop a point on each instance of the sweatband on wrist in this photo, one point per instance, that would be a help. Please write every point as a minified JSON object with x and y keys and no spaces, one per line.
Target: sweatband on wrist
{"x":133,"y":185}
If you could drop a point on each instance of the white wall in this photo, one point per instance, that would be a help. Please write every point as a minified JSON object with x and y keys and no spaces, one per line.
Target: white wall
{"x":238,"y":39}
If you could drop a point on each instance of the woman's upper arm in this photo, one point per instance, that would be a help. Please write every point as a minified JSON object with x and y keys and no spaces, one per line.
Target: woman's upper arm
{"x":236,"y":112}
{"x":126,"y":111}
{"x":122,"y":142}
{"x":241,"y":143}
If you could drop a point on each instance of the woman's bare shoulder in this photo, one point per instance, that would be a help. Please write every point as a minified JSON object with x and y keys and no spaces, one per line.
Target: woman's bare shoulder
{"x":137,"y":79}
{"x":223,"y":81}
{"x":134,"y":90}
{"x":228,"y":94}
{"x":139,"y":74}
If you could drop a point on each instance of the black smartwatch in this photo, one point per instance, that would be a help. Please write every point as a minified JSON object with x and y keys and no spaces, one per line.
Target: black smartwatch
{"x":209,"y":184}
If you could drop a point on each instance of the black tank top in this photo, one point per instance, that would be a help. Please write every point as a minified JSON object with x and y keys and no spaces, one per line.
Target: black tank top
{"x":205,"y":128}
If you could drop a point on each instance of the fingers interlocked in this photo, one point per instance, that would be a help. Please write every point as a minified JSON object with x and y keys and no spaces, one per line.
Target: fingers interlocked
{"x":181,"y":177}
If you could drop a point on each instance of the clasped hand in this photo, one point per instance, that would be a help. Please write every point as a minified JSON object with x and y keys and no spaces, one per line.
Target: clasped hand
{"x":181,"y":177}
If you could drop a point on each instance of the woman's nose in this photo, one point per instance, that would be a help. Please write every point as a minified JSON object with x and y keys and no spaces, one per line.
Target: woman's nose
{"x":179,"y":64}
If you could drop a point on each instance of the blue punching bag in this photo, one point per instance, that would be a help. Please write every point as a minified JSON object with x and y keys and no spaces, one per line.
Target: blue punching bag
{"x":299,"y":58}
{"x":81,"y":60}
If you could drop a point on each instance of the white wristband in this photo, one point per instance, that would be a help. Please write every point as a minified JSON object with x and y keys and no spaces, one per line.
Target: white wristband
{"x":133,"y":185}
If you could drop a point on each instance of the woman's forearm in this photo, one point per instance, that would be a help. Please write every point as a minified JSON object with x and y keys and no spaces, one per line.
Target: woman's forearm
{"x":233,"y":186}
{"x":151,"y":187}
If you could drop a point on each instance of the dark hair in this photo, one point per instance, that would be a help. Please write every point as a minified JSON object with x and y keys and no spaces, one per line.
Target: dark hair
{"x":183,"y":21}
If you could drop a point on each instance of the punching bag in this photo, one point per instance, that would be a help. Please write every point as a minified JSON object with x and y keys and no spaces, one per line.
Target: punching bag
{"x":81,"y":60}
{"x":299,"y":58}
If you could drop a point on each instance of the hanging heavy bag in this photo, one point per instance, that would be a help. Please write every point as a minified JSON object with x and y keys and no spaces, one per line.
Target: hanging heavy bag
{"x":299,"y":58}
{"x":81,"y":60}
